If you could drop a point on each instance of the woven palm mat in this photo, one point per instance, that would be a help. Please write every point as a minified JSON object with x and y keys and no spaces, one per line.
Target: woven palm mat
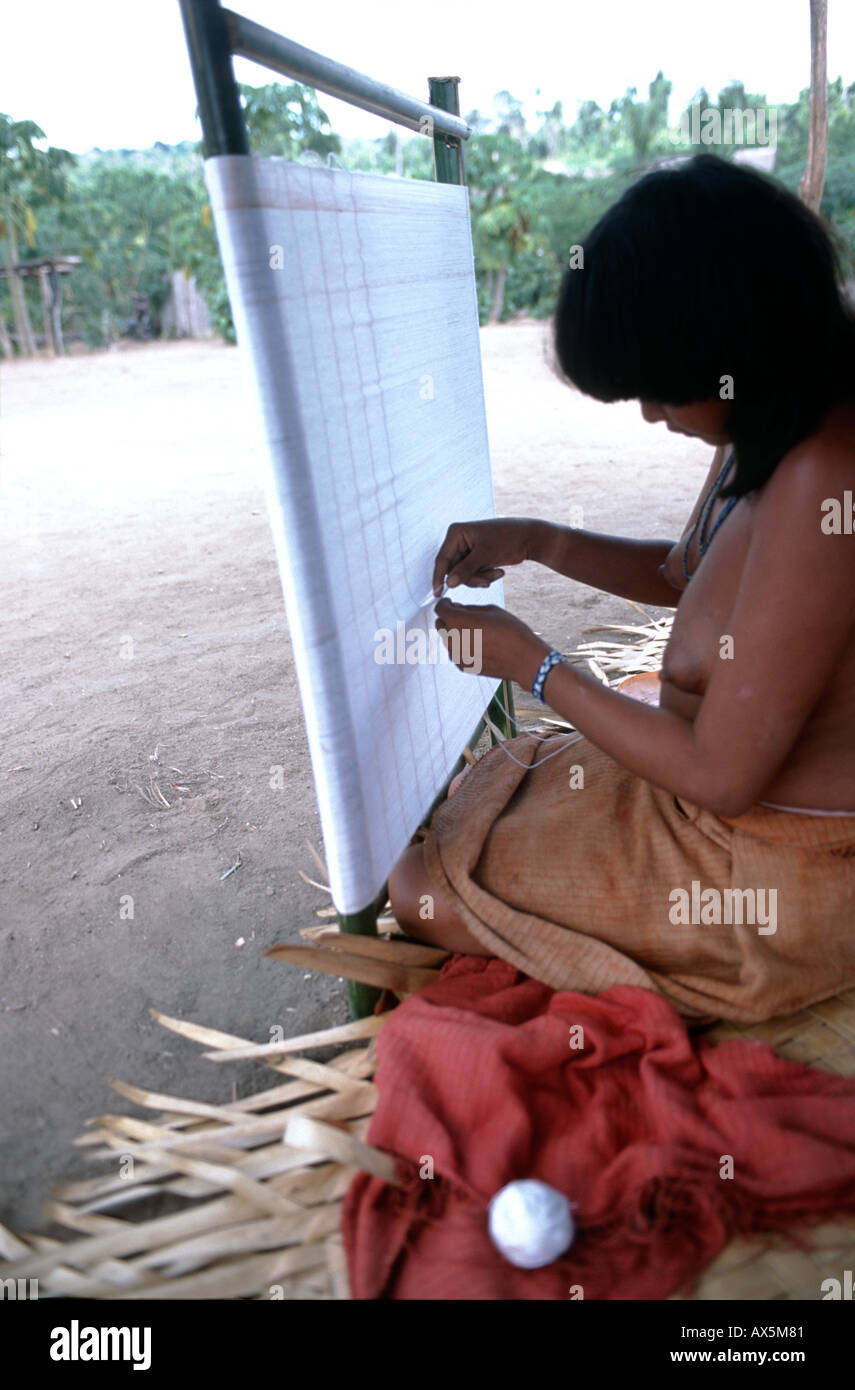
{"x":249,"y":1193}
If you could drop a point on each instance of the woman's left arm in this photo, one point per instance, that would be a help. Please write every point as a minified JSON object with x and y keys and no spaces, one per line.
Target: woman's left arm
{"x":794,"y":612}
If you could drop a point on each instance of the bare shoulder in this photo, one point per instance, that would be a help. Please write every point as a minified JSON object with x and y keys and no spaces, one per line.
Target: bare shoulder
{"x":818,"y":470}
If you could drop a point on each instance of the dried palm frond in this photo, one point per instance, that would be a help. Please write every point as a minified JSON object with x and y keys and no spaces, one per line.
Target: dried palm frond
{"x":611,"y":661}
{"x":253,"y":1187}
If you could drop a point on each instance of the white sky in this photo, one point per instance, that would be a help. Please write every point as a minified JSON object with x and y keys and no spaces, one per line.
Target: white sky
{"x":114,"y":73}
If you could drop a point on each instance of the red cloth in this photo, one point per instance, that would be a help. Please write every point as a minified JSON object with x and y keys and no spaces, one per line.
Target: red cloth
{"x":477,"y":1071}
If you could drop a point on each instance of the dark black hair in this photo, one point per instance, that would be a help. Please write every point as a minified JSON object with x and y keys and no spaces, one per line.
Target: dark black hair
{"x":706,"y":270}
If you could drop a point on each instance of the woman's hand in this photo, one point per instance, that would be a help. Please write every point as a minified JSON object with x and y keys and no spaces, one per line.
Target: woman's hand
{"x":488,"y":641}
{"x":474,"y":552}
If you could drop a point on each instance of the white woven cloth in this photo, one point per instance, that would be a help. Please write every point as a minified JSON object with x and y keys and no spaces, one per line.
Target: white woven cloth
{"x":355,"y":306}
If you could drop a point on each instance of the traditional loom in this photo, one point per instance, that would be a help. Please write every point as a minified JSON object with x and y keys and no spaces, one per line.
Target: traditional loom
{"x":355,"y":305}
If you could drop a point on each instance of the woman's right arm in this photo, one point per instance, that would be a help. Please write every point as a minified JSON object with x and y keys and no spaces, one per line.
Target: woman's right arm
{"x":647,"y":571}
{"x":476,"y":553}
{"x":615,"y":564}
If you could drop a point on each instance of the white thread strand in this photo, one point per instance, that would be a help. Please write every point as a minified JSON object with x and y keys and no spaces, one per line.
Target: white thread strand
{"x":573,"y":736}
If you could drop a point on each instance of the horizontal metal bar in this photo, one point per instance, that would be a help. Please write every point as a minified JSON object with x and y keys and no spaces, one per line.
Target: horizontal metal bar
{"x":250,"y":40}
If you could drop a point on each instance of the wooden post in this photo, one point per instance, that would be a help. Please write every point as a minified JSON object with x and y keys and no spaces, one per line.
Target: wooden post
{"x":813,"y":179}
{"x":56,"y":311}
{"x":5,"y":341}
{"x":23,"y":329}
{"x":47,"y":307}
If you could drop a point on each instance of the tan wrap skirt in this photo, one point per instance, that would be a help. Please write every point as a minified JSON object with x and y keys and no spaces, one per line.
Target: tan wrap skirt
{"x":570,"y":868}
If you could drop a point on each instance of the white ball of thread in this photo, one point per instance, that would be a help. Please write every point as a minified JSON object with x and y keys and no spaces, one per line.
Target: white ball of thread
{"x":530,"y":1223}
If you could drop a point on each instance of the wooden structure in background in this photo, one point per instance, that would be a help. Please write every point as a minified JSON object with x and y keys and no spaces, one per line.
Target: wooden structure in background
{"x":184,"y":313}
{"x":48,"y":270}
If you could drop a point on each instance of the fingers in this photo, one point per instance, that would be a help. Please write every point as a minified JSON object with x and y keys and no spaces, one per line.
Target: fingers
{"x":453,"y":549}
{"x":470,"y":569}
{"x":441,"y":612}
{"x":446,"y":612}
{"x":463,"y":560}
{"x":481,"y":579}
{"x":463,"y":613}
{"x":485,"y":577}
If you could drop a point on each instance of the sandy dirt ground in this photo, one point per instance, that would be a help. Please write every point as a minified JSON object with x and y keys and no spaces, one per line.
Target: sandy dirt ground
{"x":145,"y":645}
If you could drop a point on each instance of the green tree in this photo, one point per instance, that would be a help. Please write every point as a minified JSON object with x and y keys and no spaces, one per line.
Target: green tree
{"x":510,"y":120}
{"x":132,"y":225}
{"x":594,"y":132}
{"x":550,"y":139}
{"x":286,"y":121}
{"x":30,"y":179}
{"x":505,"y":223}
{"x":733,"y":97}
{"x":794,"y":122}
{"x":135,"y":217}
{"x":643,"y":124}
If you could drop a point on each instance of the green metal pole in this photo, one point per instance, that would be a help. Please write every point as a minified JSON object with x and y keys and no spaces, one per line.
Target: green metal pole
{"x":363,"y":998}
{"x":220,"y":112}
{"x":447,"y":150}
{"x":502,"y":711}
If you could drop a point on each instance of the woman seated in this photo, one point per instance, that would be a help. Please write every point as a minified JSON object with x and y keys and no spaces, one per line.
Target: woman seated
{"x":704,"y":846}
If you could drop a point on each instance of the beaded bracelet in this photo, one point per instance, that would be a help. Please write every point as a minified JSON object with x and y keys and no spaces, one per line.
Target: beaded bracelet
{"x":543,"y":671}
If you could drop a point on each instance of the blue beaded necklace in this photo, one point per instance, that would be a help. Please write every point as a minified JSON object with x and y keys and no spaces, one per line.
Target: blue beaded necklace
{"x":704,"y":540}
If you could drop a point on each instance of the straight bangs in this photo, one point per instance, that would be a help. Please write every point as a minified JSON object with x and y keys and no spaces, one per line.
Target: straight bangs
{"x":622,"y":330}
